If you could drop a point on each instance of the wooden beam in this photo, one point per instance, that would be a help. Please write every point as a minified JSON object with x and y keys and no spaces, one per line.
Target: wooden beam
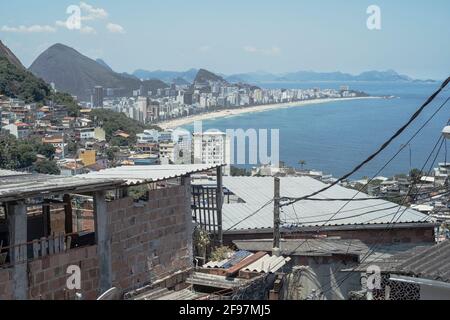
{"x":68,"y":214}
{"x":46,"y":218}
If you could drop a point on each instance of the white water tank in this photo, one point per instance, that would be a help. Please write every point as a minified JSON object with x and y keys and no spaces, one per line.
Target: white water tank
{"x":446,"y":132}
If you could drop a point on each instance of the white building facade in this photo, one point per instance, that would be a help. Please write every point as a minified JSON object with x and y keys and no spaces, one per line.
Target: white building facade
{"x":212,"y":147}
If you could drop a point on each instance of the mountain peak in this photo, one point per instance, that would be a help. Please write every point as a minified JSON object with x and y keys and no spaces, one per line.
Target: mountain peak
{"x":60,"y":47}
{"x":205,"y":76}
{"x":78,"y":74}
{"x":9,"y":55}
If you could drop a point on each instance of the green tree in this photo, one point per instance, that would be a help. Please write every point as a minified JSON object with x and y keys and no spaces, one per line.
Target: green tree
{"x":46,"y":150}
{"x":66,"y":100}
{"x":415,"y":175}
{"x":19,"y":83}
{"x":239,"y":172}
{"x":46,"y":167}
{"x":111,"y":153}
{"x":112,"y":121}
{"x":21,"y":154}
{"x":302,"y":163}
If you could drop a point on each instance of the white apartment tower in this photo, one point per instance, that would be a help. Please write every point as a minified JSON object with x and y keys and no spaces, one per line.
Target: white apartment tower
{"x":142,"y":107}
{"x":212,"y":147}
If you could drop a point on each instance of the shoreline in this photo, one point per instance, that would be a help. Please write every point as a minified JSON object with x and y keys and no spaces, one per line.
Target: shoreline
{"x":174,"y":123}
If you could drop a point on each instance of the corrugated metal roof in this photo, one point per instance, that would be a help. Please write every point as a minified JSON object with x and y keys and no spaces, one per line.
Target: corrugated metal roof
{"x":306,"y":247}
{"x":153,"y":173}
{"x":390,"y":261}
{"x":265,"y":264}
{"x":385,"y":256}
{"x":432,"y":263}
{"x":268,"y":264}
{"x":215,"y":281}
{"x":185,"y":294}
{"x":256,"y":191}
{"x":26,"y":186}
{"x":215,"y":264}
{"x":10,"y":173}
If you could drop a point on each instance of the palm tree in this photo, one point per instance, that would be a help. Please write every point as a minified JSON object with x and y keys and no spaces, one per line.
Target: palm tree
{"x":302,"y":163}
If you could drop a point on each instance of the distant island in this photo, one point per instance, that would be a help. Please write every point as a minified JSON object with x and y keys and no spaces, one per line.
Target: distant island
{"x":71,"y":71}
{"x":266,"y":77}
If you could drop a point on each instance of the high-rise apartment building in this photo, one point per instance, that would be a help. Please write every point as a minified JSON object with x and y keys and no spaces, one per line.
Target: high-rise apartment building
{"x":98,"y":97}
{"x":212,"y":147}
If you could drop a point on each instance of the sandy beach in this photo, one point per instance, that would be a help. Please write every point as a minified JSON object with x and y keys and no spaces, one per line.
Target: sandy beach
{"x":179,"y":122}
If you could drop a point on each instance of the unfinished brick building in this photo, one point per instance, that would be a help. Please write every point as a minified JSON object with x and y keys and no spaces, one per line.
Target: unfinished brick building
{"x":131,"y":241}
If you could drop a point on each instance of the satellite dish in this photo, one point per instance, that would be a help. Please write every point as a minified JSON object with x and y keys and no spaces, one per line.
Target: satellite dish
{"x":110,"y":294}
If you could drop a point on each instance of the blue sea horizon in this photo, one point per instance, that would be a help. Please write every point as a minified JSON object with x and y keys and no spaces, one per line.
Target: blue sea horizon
{"x":334,"y":137}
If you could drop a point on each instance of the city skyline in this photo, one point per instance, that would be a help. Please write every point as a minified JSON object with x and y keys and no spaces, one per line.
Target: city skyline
{"x":237,"y":37}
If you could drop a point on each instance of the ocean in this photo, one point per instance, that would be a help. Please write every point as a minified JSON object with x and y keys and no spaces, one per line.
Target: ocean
{"x":334,"y":137}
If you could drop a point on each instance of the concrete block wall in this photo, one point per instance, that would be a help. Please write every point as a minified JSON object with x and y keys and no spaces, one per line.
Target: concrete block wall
{"x":6,"y":284}
{"x":387,"y":236}
{"x":150,"y":239}
{"x":47,"y":276}
{"x":147,"y":242}
{"x":369,"y":236}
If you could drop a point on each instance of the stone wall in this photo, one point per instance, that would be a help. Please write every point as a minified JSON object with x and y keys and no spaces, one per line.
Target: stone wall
{"x":150,"y":239}
{"x":47,"y":276}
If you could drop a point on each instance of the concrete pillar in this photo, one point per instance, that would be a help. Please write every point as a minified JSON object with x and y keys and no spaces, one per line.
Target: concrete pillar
{"x":103,"y":237}
{"x":17,"y":222}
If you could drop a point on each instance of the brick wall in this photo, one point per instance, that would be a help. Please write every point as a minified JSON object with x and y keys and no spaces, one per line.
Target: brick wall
{"x":393,"y":235}
{"x":6,"y":284}
{"x":47,"y":276}
{"x":369,"y":236}
{"x":150,"y":239}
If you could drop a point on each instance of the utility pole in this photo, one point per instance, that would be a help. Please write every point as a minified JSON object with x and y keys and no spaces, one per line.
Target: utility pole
{"x":276,"y":218}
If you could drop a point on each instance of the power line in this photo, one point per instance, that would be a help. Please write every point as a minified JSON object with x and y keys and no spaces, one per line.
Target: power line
{"x":391,"y":223}
{"x":250,"y":215}
{"x":384,"y":146}
{"x":298,"y":219}
{"x":370,"y":251}
{"x":380,"y":149}
{"x":429,"y":171}
{"x":390,"y":160}
{"x":367,"y":255}
{"x":349,"y":217}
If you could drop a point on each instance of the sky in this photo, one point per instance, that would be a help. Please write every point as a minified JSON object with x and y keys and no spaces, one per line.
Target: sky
{"x":236,"y":36}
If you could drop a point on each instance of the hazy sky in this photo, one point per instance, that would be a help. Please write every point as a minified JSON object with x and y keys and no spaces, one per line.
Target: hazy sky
{"x":234,"y":36}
